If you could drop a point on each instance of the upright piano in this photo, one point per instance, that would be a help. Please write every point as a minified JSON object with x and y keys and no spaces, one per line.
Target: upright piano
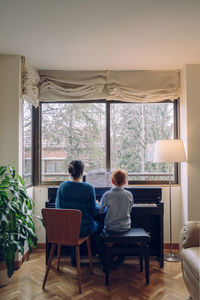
{"x":147,"y":213}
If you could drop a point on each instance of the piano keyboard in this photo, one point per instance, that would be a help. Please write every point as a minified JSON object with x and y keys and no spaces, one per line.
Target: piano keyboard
{"x":144,"y":205}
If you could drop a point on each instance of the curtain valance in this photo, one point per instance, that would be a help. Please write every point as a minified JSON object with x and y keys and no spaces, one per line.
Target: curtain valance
{"x":127,"y":86}
{"x":30,"y":81}
{"x":143,"y":86}
{"x":72,"y":85}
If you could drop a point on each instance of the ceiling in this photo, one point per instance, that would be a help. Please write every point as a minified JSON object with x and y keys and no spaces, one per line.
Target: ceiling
{"x":102,"y":34}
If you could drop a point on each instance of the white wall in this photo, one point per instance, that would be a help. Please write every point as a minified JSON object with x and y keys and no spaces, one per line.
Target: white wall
{"x":40,"y":196}
{"x":10,"y":111}
{"x":184,"y":137}
{"x":190,"y":132}
{"x":11,"y":114}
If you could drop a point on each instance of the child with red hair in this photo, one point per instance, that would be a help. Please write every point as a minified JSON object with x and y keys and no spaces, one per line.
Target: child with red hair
{"x":117,"y":203}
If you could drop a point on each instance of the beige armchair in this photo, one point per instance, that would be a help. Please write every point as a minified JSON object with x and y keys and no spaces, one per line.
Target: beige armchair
{"x":190,"y":257}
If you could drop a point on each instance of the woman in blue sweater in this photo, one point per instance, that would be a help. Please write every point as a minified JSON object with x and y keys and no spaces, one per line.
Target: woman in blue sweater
{"x":75,"y":194}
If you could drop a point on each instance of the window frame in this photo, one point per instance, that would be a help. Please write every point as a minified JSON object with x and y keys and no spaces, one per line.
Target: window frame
{"x":32,"y":145}
{"x":37,"y":157}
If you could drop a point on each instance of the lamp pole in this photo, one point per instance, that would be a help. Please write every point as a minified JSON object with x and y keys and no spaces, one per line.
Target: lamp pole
{"x":171,"y":256}
{"x":170,"y":151}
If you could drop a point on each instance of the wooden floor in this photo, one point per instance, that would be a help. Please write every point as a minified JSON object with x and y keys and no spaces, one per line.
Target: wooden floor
{"x":126,"y":282}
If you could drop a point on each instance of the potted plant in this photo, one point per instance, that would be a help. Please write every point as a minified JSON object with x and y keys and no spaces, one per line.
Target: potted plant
{"x":16,"y":223}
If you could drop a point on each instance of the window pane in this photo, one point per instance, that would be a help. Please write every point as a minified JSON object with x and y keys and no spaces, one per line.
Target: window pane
{"x":72,"y":131}
{"x":27,"y":143}
{"x":134,"y":130}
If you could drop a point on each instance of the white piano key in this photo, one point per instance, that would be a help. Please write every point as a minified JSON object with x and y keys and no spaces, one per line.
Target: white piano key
{"x":144,"y":205}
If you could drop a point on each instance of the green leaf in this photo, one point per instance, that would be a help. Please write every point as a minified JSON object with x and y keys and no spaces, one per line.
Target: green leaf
{"x":40,"y":218}
{"x":16,"y":223}
{"x":23,"y":193}
{"x":3,"y":218}
{"x":3,"y":193}
{"x":9,"y":257}
{"x":21,"y":180}
{"x":2,"y":170}
{"x":12,"y":171}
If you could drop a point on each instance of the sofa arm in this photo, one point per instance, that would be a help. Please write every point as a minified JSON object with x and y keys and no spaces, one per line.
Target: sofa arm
{"x":190,"y":235}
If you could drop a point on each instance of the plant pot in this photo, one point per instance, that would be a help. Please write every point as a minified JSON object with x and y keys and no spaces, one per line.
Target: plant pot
{"x":4,"y":279}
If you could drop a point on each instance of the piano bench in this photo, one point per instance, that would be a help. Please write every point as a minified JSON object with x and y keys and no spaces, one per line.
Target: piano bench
{"x":126,"y":243}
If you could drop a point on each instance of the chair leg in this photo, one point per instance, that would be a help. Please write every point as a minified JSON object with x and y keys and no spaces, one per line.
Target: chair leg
{"x":146,"y":256}
{"x":78,"y":267}
{"x":59,"y":249}
{"x":89,"y":253}
{"x":53,"y":246}
{"x":107,"y":265}
{"x":141,"y":260}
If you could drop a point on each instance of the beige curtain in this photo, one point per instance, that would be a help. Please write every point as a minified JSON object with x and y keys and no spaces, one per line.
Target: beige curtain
{"x":127,"y":86}
{"x":72,"y":85}
{"x":143,"y":86}
{"x":30,"y":81}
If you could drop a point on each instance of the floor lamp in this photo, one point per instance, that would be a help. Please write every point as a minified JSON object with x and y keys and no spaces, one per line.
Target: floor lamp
{"x":170,"y":151}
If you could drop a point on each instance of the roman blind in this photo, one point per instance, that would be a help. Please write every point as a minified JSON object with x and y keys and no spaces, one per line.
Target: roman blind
{"x":72,"y":85}
{"x":127,"y":86}
{"x":30,"y":81}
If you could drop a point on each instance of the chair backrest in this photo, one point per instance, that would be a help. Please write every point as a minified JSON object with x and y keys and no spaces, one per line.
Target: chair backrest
{"x":62,"y":225}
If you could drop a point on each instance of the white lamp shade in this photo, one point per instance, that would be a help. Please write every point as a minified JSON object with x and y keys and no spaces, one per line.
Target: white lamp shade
{"x":169,"y":151}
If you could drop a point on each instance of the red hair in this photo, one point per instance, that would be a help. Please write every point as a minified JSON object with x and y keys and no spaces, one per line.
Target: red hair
{"x":119,"y":177}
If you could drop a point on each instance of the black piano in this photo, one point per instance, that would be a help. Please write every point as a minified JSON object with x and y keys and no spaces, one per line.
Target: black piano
{"x":147,"y":212}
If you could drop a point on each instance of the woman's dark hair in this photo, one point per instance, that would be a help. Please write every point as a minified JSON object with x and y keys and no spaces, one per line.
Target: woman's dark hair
{"x":76,"y":168}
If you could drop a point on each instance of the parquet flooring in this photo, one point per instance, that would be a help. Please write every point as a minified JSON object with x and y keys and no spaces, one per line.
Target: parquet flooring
{"x":126,"y":282}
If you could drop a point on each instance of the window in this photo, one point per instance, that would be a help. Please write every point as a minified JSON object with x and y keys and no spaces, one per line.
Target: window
{"x":134,"y":129}
{"x":105,"y":136}
{"x":72,"y":131}
{"x":27,"y":143}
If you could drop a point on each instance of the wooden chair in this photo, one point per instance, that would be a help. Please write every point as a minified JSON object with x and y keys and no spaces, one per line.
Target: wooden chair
{"x":63,"y":228}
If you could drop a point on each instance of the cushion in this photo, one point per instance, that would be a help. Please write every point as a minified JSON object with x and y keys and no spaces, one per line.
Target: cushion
{"x":191,"y":257}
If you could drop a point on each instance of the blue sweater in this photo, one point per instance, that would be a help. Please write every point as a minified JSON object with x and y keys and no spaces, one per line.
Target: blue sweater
{"x":79,"y":195}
